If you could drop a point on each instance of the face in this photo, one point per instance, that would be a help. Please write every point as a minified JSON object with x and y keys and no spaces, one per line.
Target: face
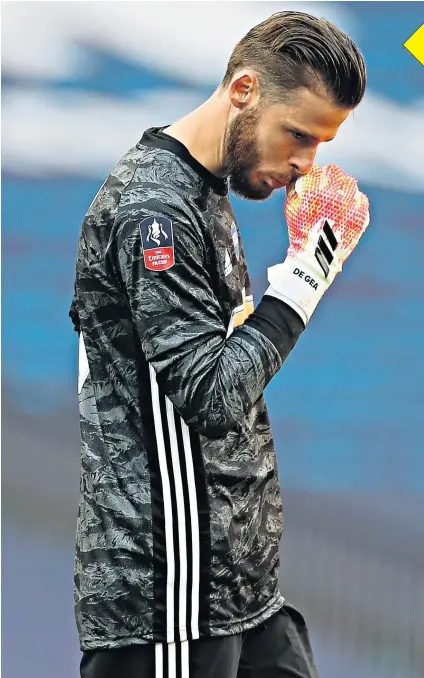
{"x":270,"y":147}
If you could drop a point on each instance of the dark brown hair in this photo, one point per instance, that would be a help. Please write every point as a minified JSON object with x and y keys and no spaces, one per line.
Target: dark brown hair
{"x":293,"y":49}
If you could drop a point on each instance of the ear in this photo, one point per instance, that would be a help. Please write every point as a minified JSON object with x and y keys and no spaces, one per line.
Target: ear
{"x":243,"y":90}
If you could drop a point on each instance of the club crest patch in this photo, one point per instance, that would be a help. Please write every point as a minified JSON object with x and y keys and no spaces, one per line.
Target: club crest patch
{"x":157,"y":238}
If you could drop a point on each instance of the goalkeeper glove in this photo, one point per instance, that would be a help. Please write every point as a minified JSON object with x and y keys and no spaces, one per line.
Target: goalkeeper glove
{"x":326,"y":215}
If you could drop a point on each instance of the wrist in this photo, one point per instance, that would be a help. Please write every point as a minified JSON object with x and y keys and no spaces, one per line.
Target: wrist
{"x":299,"y":282}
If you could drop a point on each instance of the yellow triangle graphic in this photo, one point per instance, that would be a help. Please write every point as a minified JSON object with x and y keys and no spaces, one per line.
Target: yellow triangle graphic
{"x":415,"y":44}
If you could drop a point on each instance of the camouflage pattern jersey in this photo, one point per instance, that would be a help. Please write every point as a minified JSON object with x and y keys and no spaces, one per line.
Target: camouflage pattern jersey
{"x":180,"y":514}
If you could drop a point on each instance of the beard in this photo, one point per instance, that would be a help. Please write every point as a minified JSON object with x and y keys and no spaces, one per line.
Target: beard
{"x":243,"y":155}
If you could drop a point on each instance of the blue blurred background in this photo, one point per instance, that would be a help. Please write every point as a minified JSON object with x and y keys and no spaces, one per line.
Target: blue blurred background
{"x":80,"y":83}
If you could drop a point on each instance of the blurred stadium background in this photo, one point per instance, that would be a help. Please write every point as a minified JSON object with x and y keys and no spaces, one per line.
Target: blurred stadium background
{"x":80,"y":83}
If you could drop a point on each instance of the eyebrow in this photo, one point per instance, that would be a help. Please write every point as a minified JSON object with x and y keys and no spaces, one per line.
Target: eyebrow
{"x":310,"y":136}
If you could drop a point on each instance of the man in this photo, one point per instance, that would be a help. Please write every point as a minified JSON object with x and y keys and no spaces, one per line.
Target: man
{"x":180,"y":514}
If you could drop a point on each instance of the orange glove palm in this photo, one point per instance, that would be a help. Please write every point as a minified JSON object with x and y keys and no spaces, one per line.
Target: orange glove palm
{"x":326,"y":216}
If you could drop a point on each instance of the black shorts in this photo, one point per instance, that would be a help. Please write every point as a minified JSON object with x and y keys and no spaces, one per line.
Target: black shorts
{"x":278,"y":648}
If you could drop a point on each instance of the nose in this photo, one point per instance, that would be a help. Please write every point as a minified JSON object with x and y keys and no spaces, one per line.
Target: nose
{"x":302,"y":164}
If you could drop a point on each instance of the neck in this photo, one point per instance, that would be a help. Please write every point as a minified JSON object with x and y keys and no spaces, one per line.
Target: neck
{"x":203,"y":133}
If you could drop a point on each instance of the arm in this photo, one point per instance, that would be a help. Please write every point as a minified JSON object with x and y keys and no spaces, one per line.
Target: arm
{"x":212,"y":381}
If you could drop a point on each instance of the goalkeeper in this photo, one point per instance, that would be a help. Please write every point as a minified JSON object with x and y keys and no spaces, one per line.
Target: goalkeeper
{"x":180,"y":513}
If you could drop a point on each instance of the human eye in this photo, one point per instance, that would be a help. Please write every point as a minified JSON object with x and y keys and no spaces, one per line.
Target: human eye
{"x":298,"y":135}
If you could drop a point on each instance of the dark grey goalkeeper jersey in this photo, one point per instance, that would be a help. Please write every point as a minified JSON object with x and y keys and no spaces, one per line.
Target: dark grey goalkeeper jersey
{"x":180,"y":515}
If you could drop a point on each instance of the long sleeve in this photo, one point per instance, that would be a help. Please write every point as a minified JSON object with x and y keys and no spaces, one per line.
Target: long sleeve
{"x":212,"y":380}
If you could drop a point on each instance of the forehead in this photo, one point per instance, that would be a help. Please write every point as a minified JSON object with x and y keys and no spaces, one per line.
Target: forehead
{"x":316,"y":115}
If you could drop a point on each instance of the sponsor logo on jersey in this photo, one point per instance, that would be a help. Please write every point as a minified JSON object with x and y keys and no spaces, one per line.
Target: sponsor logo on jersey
{"x":157,"y":237}
{"x":240,"y":313}
{"x":228,"y":265}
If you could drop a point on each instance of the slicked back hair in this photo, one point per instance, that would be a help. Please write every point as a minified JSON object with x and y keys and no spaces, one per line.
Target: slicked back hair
{"x":293,"y":49}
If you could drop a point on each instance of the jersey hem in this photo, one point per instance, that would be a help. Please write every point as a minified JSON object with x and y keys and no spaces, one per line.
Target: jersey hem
{"x":248,"y":623}
{"x":217,"y":630}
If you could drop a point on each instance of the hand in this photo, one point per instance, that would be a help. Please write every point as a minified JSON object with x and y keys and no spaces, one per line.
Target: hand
{"x":326,"y":216}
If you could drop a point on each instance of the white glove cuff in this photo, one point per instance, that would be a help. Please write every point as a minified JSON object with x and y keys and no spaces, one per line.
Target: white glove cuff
{"x":298,"y":284}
